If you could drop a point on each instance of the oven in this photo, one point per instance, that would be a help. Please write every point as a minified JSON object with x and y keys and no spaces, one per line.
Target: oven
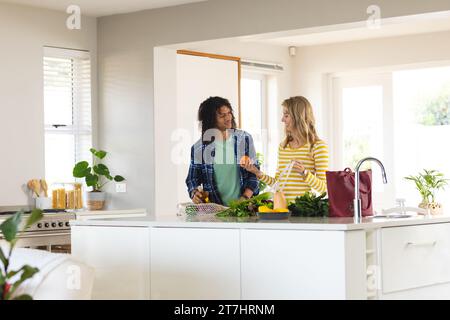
{"x":51,"y":233}
{"x":58,"y":242}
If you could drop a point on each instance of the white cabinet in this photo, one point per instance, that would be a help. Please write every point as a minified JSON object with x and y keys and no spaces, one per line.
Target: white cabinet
{"x":240,"y":262}
{"x":292,"y":264}
{"x":195,"y":263}
{"x":120,"y":257}
{"x":414,"y":257}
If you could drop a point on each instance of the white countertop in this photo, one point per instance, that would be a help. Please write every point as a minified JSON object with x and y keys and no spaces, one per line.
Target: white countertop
{"x":110,"y":214}
{"x":82,"y":213}
{"x":293,"y":223}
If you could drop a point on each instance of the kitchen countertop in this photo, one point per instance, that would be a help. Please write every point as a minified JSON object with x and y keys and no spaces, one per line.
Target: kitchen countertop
{"x":104,"y":214}
{"x":98,"y":214}
{"x":293,"y":223}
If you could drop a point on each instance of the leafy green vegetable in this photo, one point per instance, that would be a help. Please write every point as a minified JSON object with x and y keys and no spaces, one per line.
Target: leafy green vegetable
{"x":191,"y":210}
{"x":246,"y":208}
{"x":310,"y":205}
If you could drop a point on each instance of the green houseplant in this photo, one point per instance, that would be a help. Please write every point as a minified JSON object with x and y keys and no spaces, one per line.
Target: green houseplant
{"x":10,"y":280}
{"x":96,"y":177}
{"x":428,"y":183}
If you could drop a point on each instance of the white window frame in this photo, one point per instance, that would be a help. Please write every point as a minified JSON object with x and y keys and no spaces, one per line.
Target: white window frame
{"x":249,"y":73}
{"x":383,"y":80}
{"x":334,"y":122}
{"x":76,"y":129}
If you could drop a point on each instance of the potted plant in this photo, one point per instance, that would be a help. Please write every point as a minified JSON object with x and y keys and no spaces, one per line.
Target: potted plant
{"x":96,"y":177}
{"x":428,"y":183}
{"x":10,"y":280}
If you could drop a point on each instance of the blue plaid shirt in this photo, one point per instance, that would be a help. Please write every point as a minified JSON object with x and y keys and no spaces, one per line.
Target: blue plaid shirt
{"x":201,"y":170}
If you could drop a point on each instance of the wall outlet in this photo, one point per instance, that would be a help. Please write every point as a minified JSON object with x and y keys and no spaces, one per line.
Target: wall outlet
{"x":121,"y":187}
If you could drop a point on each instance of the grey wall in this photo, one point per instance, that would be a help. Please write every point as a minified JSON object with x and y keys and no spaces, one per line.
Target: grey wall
{"x":126,"y":45}
{"x":23,"y":33}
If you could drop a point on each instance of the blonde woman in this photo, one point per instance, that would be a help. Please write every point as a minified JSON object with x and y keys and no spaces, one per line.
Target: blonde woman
{"x":301,"y":145}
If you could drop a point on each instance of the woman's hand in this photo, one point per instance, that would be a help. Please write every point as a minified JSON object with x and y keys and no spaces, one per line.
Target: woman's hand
{"x":299,"y":167}
{"x":251,"y":168}
{"x":247,"y":164}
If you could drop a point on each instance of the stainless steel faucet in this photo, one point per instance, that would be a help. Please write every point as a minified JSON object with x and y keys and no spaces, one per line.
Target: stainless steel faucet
{"x":357,"y":202}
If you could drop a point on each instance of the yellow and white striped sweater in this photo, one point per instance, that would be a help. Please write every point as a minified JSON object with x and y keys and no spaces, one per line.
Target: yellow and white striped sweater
{"x":316,"y":163}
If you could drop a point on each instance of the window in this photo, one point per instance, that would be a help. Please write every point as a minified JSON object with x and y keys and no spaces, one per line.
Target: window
{"x":260,"y":112}
{"x":422,"y":127}
{"x":67,"y":111}
{"x":401,"y":117}
{"x":362,"y":137}
{"x":361,"y":129}
{"x":253,"y":111}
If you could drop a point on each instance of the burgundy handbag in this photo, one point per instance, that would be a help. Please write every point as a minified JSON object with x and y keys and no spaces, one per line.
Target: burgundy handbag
{"x":341,"y":192}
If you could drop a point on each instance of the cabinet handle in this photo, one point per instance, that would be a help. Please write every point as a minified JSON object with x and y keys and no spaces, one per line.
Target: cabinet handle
{"x":417,"y":244}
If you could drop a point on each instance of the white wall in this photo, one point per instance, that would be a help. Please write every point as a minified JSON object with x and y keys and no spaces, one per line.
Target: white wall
{"x":126,"y":44}
{"x":23,"y":33}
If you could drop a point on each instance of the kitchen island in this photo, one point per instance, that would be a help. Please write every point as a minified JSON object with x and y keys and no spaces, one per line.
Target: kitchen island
{"x":205,"y":257}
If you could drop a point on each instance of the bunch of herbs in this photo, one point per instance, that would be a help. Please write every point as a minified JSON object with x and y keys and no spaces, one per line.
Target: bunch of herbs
{"x":310,"y":205}
{"x":247,"y":208}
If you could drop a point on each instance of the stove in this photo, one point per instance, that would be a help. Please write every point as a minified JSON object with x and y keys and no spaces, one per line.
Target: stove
{"x":51,"y":233}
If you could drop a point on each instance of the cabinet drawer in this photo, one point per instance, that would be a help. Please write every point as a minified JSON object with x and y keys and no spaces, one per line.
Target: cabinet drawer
{"x":415,"y":256}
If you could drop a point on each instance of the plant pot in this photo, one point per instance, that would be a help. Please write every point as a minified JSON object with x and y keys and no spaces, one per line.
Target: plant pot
{"x":434,"y":207}
{"x":95,"y":200}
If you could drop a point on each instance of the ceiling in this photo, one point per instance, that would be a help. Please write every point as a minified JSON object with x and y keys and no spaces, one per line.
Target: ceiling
{"x":401,"y":26}
{"x":99,"y":8}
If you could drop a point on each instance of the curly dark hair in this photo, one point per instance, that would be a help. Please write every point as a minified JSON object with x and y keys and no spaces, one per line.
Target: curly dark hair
{"x":207,"y":113}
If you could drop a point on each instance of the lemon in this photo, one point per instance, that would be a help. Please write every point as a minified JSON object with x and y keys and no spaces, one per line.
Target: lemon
{"x":264,"y":209}
{"x":281,"y":210}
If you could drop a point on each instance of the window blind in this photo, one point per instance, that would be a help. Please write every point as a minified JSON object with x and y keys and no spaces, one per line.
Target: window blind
{"x":67,"y":111}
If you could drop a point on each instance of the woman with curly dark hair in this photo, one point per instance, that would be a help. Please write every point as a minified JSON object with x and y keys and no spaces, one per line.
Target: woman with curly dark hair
{"x":214,"y":172}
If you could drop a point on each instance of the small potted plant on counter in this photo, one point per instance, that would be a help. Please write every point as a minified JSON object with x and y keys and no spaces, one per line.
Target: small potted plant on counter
{"x":428,"y":183}
{"x":96,"y":177}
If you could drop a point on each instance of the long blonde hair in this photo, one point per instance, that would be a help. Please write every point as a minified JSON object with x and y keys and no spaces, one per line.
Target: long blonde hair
{"x":301,"y":112}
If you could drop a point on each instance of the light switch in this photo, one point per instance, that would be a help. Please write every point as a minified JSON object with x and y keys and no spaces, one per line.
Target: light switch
{"x":121,"y":187}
